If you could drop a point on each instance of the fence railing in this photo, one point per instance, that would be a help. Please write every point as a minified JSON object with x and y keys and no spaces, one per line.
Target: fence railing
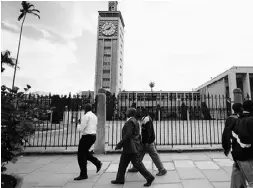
{"x":196,"y":120}
{"x":58,"y":129}
{"x":192,"y":120}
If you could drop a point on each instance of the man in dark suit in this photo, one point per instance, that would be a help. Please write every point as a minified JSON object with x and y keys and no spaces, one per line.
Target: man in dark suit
{"x":131,"y":143}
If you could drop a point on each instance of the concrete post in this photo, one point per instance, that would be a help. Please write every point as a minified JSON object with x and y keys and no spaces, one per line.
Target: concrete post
{"x":238,"y":95}
{"x":246,"y":86}
{"x":232,"y":84}
{"x":101,"y":114}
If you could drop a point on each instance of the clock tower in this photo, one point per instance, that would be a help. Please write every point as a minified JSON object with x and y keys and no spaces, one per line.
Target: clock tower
{"x":110,"y":46}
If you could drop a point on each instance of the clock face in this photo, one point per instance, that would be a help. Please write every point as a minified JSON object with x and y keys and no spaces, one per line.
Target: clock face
{"x":108,"y":29}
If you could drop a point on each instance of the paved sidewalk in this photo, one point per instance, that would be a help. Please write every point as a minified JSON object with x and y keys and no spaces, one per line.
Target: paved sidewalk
{"x":185,"y":170}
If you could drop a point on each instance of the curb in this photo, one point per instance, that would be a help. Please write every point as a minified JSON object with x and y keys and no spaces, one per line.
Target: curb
{"x":193,"y":150}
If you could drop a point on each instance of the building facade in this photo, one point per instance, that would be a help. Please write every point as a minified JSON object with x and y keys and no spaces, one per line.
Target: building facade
{"x":225,"y":83}
{"x":110,"y":49}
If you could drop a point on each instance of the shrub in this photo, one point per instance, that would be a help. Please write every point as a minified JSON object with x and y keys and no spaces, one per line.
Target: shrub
{"x":19,"y":113}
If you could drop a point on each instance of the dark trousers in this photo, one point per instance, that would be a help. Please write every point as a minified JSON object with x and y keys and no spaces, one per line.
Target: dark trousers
{"x":124,"y":162}
{"x":84,"y":154}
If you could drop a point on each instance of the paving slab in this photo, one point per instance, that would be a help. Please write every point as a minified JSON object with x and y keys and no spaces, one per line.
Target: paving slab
{"x":170,"y":177}
{"x":190,"y":173}
{"x":197,"y":184}
{"x":134,"y":177}
{"x":199,"y":157}
{"x":78,"y":185}
{"x":206,"y":165}
{"x":216,"y":175}
{"x":224,"y":162}
{"x":169,"y":165}
{"x":170,"y":185}
{"x":105,"y":179}
{"x":221,"y":184}
{"x":37,"y":177}
{"x":56,"y":180}
{"x":184,"y":164}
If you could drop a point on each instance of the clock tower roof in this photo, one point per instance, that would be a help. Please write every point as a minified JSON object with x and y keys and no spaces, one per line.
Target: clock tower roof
{"x":112,"y":14}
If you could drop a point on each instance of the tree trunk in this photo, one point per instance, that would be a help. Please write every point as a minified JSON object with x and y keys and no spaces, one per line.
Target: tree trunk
{"x":13,"y":82}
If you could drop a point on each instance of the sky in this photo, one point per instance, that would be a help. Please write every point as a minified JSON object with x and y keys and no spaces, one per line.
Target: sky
{"x":178,"y":44}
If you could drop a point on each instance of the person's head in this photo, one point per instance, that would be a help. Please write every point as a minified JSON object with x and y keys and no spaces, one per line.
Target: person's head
{"x":88,"y":107}
{"x":131,"y":112}
{"x":144,"y":112}
{"x":237,"y":107}
{"x":248,"y":106}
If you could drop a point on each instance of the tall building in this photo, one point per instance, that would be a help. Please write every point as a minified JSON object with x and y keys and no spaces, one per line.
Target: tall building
{"x":110,"y":46}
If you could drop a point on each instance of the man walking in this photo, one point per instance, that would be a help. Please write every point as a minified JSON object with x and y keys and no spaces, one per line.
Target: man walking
{"x":243,"y":152}
{"x":88,"y":127}
{"x":237,"y":179}
{"x":131,"y":144}
{"x":148,"y":138}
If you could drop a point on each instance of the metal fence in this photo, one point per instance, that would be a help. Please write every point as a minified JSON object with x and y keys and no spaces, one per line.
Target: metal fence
{"x":188,"y":119}
{"x":58,"y":129}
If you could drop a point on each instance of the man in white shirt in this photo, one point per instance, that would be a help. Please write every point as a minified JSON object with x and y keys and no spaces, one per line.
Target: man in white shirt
{"x":88,"y":127}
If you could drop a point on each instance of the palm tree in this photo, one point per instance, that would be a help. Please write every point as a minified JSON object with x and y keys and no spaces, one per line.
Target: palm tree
{"x":27,"y":8}
{"x":6,"y":59}
{"x":151,"y":85}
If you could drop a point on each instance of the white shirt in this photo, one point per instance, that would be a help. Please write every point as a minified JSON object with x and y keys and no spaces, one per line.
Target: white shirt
{"x":88,"y":123}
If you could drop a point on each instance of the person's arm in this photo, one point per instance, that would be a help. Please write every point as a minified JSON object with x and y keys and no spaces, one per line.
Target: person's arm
{"x":146,"y":130}
{"x":84,"y":123}
{"x":128,"y":134}
{"x":226,"y":136}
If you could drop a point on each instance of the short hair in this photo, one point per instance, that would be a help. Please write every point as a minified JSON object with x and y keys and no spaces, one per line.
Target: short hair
{"x":144,"y":111}
{"x":237,"y":107}
{"x":88,"y":107}
{"x":131,"y":112}
{"x":248,"y":105}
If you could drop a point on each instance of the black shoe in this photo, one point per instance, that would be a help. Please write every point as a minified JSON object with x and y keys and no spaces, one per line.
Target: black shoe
{"x":81,"y":177}
{"x":149,"y":182}
{"x":162,"y":172}
{"x":99,"y":166}
{"x":132,"y":170}
{"x":117,"y":182}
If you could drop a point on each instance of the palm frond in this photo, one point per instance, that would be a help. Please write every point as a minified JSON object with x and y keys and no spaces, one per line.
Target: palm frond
{"x":34,"y":10}
{"x":30,"y":5}
{"x":21,"y":16}
{"x":35,"y":14}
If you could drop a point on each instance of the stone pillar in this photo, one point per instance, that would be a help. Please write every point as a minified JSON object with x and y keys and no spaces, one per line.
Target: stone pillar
{"x":246,"y":86}
{"x":101,"y":114}
{"x":232,"y":84}
{"x":237,"y":93}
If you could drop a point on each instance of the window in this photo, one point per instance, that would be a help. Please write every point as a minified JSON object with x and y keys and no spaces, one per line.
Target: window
{"x":120,"y":59}
{"x":119,"y":82}
{"x":106,"y":71}
{"x":120,"y":67}
{"x":120,"y":74}
{"x":106,"y":79}
{"x":107,"y":55}
{"x":106,"y":87}
{"x":107,"y":47}
{"x":106,"y":63}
